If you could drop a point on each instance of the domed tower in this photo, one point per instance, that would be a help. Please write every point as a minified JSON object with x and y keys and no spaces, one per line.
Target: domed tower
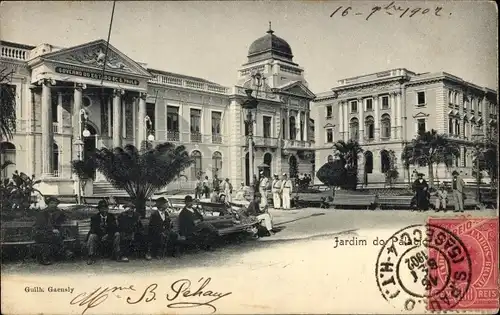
{"x":271,"y":56}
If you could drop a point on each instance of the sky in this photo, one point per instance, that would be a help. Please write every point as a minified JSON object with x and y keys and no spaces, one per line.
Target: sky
{"x":211,"y":39}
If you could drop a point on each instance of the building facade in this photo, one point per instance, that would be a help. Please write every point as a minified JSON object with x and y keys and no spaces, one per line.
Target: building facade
{"x":67,"y":107}
{"x":385,"y":110}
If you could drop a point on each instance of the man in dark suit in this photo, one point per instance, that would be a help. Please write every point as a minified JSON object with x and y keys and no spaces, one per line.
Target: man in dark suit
{"x":421,"y":189}
{"x":194,"y":228}
{"x":130,"y":227}
{"x":160,"y":232}
{"x":103,"y":232}
{"x":47,"y":231}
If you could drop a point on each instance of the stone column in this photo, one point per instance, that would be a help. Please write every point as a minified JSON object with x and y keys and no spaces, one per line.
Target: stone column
{"x":361,"y":133}
{"x":117,"y":118}
{"x":77,"y":106}
{"x":340,"y":118}
{"x":486,"y":116}
{"x":60,"y":111}
{"x":47,"y":129}
{"x":392,"y":104}
{"x":141,"y":123}
{"x":306,"y":125}
{"x":346,"y":121}
{"x":377,"y":118}
{"x":399,"y":125}
{"x":297,"y":125}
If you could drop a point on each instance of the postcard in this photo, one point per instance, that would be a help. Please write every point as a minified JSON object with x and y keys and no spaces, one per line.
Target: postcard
{"x":241,"y":157}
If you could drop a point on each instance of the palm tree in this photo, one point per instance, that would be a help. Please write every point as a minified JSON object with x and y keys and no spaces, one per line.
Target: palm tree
{"x":428,"y":149}
{"x":7,"y":105}
{"x":348,"y":153}
{"x":139,"y":172}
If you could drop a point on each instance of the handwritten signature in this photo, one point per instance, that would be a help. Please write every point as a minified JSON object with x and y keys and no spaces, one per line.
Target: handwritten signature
{"x":180,"y":291}
{"x":391,"y":9}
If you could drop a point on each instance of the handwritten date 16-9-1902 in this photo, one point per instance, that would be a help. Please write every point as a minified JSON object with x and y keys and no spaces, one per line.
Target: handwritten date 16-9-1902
{"x":182,"y":294}
{"x":390,"y":9}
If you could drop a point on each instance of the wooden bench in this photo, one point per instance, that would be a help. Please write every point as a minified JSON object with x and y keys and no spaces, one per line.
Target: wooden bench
{"x":395,"y":202}
{"x":343,"y":199}
{"x":21,"y":236}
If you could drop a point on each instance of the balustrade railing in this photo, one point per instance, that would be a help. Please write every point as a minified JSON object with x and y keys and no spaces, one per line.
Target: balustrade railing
{"x":190,"y":84}
{"x":15,"y":53}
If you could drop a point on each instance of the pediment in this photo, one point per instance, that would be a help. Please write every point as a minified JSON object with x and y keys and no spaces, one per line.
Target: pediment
{"x":91,"y":55}
{"x":329,"y":125}
{"x":296,"y":88}
{"x":421,"y":115}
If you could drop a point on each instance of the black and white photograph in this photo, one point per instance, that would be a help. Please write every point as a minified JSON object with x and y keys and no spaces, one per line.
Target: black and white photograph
{"x":249,"y":157}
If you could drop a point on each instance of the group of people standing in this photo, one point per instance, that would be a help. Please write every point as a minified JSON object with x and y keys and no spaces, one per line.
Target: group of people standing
{"x":281,"y":189}
{"x":203,"y":188}
{"x":423,"y":194}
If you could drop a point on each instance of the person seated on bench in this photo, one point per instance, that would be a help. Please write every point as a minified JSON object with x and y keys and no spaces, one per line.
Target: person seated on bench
{"x":227,"y":207}
{"x":253,"y":210}
{"x":240,"y":194}
{"x":130,"y":227}
{"x":160,"y":234}
{"x":194,"y":228}
{"x":47,"y":230}
{"x":441,"y":198}
{"x":103,"y":232}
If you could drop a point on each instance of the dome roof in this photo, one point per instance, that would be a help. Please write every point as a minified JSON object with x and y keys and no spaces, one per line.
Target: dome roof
{"x":270,"y":46}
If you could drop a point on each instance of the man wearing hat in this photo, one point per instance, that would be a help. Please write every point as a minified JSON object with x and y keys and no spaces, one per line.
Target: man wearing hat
{"x":457,"y":185}
{"x":286,"y":191}
{"x":254,"y":210}
{"x":47,"y":231}
{"x":442,"y":197}
{"x":103,"y":232}
{"x":276,"y":188}
{"x":193,"y":227}
{"x":130,"y":227}
{"x":421,"y":189}
{"x":263,"y":187}
{"x":160,"y":234}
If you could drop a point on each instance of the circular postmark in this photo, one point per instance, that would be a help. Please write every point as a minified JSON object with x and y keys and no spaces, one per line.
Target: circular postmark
{"x":423,"y":264}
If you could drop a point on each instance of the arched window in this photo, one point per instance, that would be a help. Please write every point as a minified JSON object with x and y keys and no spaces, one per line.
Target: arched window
{"x":450,"y":97}
{"x":268,"y":160}
{"x":354,"y":129}
{"x":293,"y":129}
{"x":370,"y":127}
{"x":466,"y":128}
{"x":8,"y":153}
{"x":368,"y":162}
{"x":293,"y":166}
{"x":385,"y":124}
{"x":450,"y":126}
{"x":216,"y":163}
{"x":55,"y":160}
{"x":456,"y":98}
{"x":457,"y":127}
{"x":385,"y":161}
{"x":196,"y":169}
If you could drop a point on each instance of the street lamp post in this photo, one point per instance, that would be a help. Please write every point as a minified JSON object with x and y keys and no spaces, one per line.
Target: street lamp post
{"x":147,"y":129}
{"x":478,"y":138}
{"x":251,"y":104}
{"x":79,"y":144}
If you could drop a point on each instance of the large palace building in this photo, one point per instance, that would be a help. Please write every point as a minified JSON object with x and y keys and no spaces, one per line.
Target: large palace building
{"x":66,"y":109}
{"x":385,"y":110}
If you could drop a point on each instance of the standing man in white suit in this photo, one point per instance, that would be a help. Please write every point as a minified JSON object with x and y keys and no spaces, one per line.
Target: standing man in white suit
{"x":286,"y":191}
{"x":276,"y":190}
{"x":263,"y":186}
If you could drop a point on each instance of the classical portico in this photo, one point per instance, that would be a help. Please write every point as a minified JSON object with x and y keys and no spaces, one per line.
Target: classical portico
{"x":112,"y":108}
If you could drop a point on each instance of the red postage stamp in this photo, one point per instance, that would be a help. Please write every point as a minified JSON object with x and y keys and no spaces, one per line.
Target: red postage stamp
{"x":467,"y":264}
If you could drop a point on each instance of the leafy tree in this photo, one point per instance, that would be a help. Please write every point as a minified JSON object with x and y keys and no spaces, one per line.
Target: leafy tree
{"x":486,"y":156}
{"x":7,"y":105}
{"x":140,"y":172}
{"x":430,"y":149}
{"x":392,"y":173}
{"x":332,"y":174}
{"x":16,"y":192}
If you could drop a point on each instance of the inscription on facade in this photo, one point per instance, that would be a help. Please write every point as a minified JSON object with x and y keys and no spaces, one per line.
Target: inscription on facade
{"x":96,"y":75}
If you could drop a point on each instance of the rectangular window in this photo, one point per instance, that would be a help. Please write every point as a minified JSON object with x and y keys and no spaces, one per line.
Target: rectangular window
{"x":329,"y":111}
{"x":421,"y":125}
{"x":195,"y":119}
{"x":216,"y":127}
{"x":385,"y":102}
{"x":172,"y":123}
{"x":369,"y":104}
{"x":420,"y":98}
{"x":150,"y":112}
{"x":354,"y":106}
{"x":450,"y":126}
{"x":266,"y":125}
{"x":329,"y":135}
